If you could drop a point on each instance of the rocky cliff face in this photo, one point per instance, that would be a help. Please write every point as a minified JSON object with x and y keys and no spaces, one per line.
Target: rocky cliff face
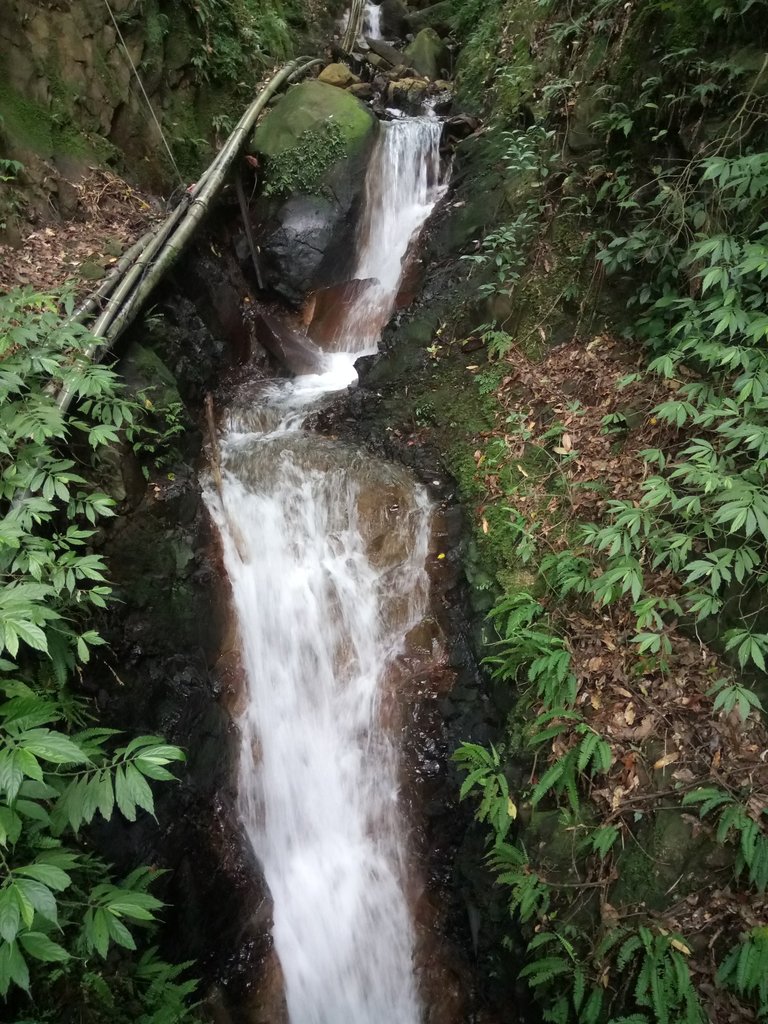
{"x":78,"y":78}
{"x":67,"y":91}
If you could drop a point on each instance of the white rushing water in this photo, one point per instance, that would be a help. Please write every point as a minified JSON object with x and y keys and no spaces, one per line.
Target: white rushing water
{"x":402,"y":186}
{"x":372,"y":21}
{"x":371,"y":24}
{"x":325,"y":550}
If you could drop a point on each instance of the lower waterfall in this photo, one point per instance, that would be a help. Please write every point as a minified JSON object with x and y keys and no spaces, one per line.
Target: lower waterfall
{"x":325,"y":549}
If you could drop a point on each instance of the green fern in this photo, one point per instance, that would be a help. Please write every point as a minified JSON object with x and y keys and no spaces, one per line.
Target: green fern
{"x":745,"y":969}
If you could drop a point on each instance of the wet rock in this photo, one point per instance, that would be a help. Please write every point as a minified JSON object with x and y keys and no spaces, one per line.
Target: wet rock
{"x":441,"y":95}
{"x":394,"y":19}
{"x":408,"y":94}
{"x":316,"y":143}
{"x":327,"y":308}
{"x":383,"y":510}
{"x":386,"y":51}
{"x":377,"y":62}
{"x":461,"y":126}
{"x":338,"y":75}
{"x":362,"y":90}
{"x":437,"y":17}
{"x":294,"y":351}
{"x":411,"y":284}
{"x":429,"y":54}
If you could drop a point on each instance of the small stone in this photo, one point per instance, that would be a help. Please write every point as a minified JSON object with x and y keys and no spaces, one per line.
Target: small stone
{"x":338,"y":75}
{"x":91,"y":270}
{"x":362,"y":90}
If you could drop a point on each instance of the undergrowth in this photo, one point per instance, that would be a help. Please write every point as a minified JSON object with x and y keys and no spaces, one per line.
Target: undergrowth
{"x":70,"y":931}
{"x":647,"y":609}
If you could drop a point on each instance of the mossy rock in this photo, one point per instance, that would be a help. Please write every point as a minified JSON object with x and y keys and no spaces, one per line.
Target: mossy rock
{"x":338,"y":75}
{"x":316,"y":143}
{"x":428,"y":54}
{"x":144,"y":372}
{"x":303,"y":109}
{"x":437,"y":16}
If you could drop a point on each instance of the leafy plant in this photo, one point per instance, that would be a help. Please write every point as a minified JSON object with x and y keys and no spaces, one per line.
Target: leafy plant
{"x":59,"y":904}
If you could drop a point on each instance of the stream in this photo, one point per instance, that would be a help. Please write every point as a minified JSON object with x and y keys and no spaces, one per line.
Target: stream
{"x":325,"y":549}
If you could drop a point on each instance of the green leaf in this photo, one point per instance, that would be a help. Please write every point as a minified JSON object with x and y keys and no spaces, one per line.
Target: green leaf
{"x":10,"y":915}
{"x":13,"y":968}
{"x":48,"y":874}
{"x":42,"y":948}
{"x":54,"y":747}
{"x":125,"y":801}
{"x":97,"y":931}
{"x":39,"y":897}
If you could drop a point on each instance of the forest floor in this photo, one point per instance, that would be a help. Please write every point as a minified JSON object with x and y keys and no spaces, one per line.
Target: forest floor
{"x":666,"y":737}
{"x":111,"y":216}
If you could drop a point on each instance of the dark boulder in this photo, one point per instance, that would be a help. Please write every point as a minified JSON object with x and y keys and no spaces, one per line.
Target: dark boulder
{"x":315,"y":144}
{"x":394,"y":19}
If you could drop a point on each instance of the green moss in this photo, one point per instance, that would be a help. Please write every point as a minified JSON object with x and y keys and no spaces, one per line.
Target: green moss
{"x":306,"y":107}
{"x":312,"y":127}
{"x":301,"y":168}
{"x":662,"y":864}
{"x":497,"y":56}
{"x":27,"y":123}
{"x":47,"y":132}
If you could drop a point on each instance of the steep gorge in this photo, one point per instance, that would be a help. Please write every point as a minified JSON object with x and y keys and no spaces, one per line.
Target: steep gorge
{"x":610,"y":701}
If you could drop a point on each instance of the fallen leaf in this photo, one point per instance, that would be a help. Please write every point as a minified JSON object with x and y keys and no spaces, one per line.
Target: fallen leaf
{"x":629,"y":714}
{"x":667,"y":759}
{"x":609,"y":915}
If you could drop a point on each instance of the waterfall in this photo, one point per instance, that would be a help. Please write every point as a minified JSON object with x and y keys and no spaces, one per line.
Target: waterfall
{"x":402,"y":185}
{"x":371,"y":24}
{"x":325,"y":550}
{"x":372,"y":21}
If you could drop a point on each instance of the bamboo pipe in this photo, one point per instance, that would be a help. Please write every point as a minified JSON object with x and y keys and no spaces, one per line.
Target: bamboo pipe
{"x":173,"y":236}
{"x":90,"y":303}
{"x":354,"y":25}
{"x":200,"y":203}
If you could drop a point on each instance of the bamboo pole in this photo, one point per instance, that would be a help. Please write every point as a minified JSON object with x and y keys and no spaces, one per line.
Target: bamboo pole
{"x":90,"y":304}
{"x":354,"y":26}
{"x":200,"y":204}
{"x":245,"y":215}
{"x":166,"y":243}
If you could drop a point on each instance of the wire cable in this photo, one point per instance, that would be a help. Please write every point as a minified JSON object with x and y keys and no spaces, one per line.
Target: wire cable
{"x":144,"y":92}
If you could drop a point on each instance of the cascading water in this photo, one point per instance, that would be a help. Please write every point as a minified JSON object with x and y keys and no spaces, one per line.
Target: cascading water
{"x":401,"y":188}
{"x":372,"y":21}
{"x":325,"y":550}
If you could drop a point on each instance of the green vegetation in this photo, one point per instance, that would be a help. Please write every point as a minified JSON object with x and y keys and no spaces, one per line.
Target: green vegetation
{"x":312,"y":127}
{"x":240,"y":37}
{"x":68,"y":929}
{"x":644,"y":177}
{"x":301,"y":168}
